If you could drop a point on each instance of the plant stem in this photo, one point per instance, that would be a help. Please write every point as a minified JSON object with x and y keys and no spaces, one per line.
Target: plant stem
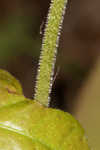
{"x":48,"y":53}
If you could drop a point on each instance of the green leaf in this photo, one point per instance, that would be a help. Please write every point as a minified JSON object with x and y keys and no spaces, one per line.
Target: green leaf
{"x":27,"y":125}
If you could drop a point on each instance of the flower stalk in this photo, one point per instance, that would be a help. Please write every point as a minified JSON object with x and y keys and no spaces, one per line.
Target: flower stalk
{"x":49,"y":51}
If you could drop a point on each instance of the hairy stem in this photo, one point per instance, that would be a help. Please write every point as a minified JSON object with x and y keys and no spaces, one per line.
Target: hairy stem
{"x":48,"y":53}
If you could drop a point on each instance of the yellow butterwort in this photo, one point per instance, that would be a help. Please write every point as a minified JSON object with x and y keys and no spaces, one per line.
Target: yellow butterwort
{"x":30,"y":125}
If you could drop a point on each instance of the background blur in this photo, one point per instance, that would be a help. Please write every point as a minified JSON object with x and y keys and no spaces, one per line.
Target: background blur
{"x":76,"y":88}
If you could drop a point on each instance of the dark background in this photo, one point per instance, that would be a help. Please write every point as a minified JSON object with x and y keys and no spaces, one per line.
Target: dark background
{"x":22,"y":25}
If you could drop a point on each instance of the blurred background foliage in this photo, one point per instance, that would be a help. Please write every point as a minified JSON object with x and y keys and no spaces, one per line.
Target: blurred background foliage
{"x":77,"y":72}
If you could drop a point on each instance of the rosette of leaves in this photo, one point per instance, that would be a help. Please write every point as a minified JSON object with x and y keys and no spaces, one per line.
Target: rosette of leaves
{"x":31,"y":125}
{"x":27,"y":125}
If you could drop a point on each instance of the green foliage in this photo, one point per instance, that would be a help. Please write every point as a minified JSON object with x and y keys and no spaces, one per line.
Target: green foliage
{"x":10,"y":89}
{"x":27,"y":125}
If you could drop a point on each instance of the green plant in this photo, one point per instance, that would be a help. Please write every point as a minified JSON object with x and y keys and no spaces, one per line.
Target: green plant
{"x":31,"y":125}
